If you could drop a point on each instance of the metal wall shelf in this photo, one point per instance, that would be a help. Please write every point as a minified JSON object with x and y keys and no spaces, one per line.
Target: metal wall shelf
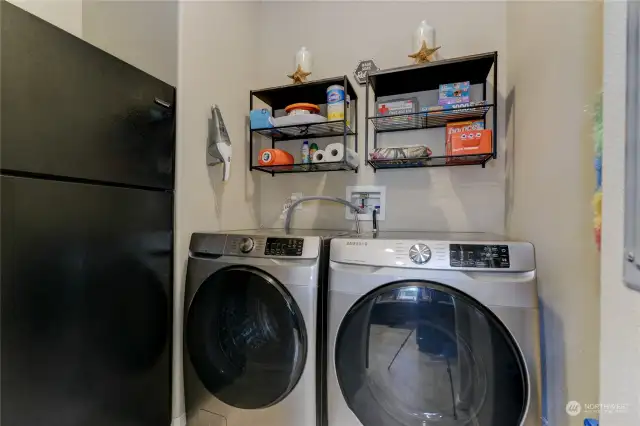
{"x":426,"y":77}
{"x":439,"y":161}
{"x":423,"y":77}
{"x":307,"y":168}
{"x":315,"y":92}
{"x":306,"y":131}
{"x":426,"y":120}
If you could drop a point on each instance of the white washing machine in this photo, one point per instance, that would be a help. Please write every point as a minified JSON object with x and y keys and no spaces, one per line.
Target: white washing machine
{"x":251,"y":350}
{"x":433,"y":329}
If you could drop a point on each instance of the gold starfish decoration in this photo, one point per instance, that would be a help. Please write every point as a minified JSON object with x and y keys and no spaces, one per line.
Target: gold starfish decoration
{"x":424,"y":54}
{"x":299,"y":76}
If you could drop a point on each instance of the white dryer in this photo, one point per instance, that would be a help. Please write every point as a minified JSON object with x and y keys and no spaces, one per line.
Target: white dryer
{"x":251,"y":352}
{"x":433,"y":329}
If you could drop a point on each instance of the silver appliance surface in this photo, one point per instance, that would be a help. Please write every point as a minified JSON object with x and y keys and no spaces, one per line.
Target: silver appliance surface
{"x":265,"y":243}
{"x":429,"y":235}
{"x":422,"y":336}
{"x":465,"y":252}
{"x":279,"y":232}
{"x":261,"y":290}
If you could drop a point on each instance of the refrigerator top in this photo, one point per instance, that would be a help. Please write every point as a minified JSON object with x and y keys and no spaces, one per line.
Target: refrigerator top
{"x":73,"y":111}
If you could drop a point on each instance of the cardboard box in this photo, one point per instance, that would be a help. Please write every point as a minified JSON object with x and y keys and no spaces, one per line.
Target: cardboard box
{"x":473,"y":142}
{"x":260,"y":119}
{"x":401,"y":107}
{"x":453,"y":93}
{"x":458,"y":127}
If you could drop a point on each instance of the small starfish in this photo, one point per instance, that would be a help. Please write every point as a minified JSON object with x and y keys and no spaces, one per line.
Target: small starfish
{"x":299,"y":76}
{"x":424,"y":54}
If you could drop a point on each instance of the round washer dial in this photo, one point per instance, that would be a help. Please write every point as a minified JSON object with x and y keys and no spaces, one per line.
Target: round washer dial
{"x":420,"y":253}
{"x":246,"y":245}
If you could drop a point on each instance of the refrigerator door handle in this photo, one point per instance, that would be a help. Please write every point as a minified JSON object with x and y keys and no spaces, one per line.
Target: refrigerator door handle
{"x":162,"y":103}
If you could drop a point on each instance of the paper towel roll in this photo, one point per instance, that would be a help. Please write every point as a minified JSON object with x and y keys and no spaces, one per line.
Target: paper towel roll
{"x":335,"y":152}
{"x":320,"y":156}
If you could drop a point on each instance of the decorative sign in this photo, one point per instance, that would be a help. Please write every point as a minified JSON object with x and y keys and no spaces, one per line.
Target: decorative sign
{"x":363,"y":69}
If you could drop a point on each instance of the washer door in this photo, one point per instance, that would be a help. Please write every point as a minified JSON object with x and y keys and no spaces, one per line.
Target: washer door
{"x":417,"y":353}
{"x":246,"y":338}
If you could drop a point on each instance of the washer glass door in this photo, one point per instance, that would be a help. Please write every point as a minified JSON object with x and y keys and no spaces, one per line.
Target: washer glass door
{"x":245,"y":337}
{"x":417,"y":353}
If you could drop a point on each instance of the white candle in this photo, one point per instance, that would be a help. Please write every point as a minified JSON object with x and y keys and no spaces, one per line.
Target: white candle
{"x":303,"y":58}
{"x":424,"y":32}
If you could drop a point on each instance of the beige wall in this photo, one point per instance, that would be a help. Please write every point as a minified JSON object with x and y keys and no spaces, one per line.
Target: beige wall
{"x":216,"y":66}
{"x":620,"y":307}
{"x":66,"y":14}
{"x":143,"y":33}
{"x":554,"y":73}
{"x":459,"y":198}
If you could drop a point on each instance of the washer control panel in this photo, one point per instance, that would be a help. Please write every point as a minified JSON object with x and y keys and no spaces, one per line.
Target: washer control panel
{"x":264,"y":246}
{"x":479,"y":256}
{"x":284,"y":247}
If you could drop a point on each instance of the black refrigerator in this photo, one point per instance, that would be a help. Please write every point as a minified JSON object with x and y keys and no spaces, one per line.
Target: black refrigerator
{"x":87,"y":194}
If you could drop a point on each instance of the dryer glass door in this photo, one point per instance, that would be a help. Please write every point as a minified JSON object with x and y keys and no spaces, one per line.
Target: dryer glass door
{"x":417,"y":353}
{"x":245,"y":337}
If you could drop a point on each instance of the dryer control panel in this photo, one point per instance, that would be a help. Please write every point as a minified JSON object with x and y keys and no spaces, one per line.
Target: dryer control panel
{"x":478,"y":256}
{"x":460,"y":255}
{"x":284,"y":247}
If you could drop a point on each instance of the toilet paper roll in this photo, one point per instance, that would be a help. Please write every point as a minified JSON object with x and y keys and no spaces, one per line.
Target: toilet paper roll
{"x":320,"y":156}
{"x":336,"y":152}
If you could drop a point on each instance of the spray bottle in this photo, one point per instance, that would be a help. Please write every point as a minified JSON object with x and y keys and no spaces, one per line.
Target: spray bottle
{"x":219,"y":144}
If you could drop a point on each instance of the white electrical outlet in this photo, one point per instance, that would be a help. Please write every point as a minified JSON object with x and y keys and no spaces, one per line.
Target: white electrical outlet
{"x":369,"y":198}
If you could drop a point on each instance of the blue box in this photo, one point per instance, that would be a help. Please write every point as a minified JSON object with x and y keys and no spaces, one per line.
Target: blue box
{"x":453,"y":93}
{"x":260,"y":119}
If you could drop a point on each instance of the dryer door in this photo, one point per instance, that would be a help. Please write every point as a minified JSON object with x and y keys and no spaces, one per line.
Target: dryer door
{"x":416,"y":353}
{"x":245,"y":337}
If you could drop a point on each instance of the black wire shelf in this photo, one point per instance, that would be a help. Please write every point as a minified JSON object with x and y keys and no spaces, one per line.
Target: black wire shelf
{"x":327,"y":129}
{"x":427,"y":120}
{"x":428,"y":76}
{"x":440,"y":161}
{"x":314,"y":92}
{"x":479,"y":70}
{"x":307,"y":168}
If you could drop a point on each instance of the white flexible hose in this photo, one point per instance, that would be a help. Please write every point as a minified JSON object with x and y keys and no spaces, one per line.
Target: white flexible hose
{"x":289,"y":215}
